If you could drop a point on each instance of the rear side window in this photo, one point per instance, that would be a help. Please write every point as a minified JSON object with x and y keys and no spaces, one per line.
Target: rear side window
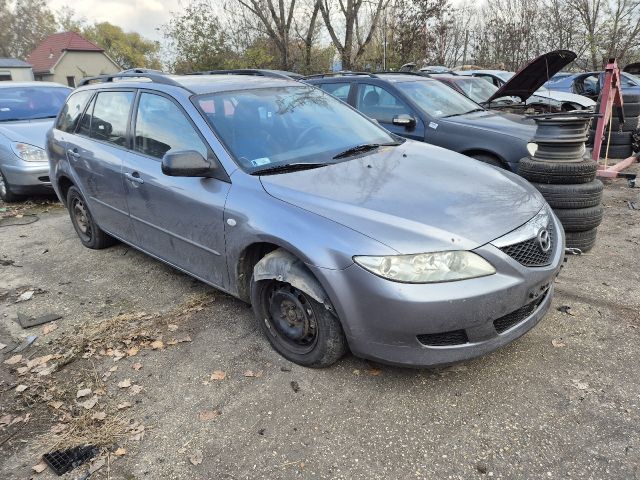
{"x":378,"y":103}
{"x":110,"y":117}
{"x":161,"y":126}
{"x":72,"y":111}
{"x":338,"y":90}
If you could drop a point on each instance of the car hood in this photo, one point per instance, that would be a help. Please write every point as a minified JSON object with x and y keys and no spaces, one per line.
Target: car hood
{"x":504,"y":123}
{"x":533,"y":75}
{"x":565,"y":97}
{"x":33,"y":132}
{"x":413,"y":198}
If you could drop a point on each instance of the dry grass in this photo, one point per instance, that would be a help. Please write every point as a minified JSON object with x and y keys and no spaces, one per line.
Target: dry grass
{"x":84,"y":430}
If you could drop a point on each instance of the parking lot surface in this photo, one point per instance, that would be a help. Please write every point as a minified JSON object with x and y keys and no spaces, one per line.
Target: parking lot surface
{"x":184,"y":386}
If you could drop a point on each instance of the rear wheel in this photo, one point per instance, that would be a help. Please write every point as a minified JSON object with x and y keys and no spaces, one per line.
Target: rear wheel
{"x":5,"y":191}
{"x":85,"y":226}
{"x":298,"y":327}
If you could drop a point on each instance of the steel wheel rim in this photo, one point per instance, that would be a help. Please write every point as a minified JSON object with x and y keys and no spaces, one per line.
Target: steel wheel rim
{"x":291,"y":319}
{"x":81,"y":218}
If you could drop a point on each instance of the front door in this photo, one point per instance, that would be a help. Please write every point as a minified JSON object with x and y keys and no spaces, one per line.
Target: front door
{"x":177,"y":219}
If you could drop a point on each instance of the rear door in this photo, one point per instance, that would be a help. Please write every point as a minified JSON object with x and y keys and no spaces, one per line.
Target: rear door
{"x":380,"y":104}
{"x":95,"y":153}
{"x":177,"y":219}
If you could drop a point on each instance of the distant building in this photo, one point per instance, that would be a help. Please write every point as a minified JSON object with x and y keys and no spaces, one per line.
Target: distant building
{"x":68,"y":57}
{"x":14,"y":69}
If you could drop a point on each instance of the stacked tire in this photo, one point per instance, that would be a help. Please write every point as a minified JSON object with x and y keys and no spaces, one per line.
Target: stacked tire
{"x":624,"y":138}
{"x":566,"y":177}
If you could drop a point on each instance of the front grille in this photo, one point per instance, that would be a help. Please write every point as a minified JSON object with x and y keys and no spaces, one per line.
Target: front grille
{"x":454,"y":337}
{"x":504,"y":323}
{"x":529,"y":253}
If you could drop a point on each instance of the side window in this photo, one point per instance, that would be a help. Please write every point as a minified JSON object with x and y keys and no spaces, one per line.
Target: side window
{"x":72,"y":110}
{"x":161,"y":126}
{"x":378,"y":103}
{"x":338,"y":90}
{"x":110,"y":117}
{"x":84,"y":127}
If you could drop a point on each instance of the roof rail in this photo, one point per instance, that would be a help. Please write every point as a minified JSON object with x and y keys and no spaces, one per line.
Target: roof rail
{"x":154,"y":77}
{"x":397,"y":72}
{"x":345,"y":73}
{"x":243,"y":71}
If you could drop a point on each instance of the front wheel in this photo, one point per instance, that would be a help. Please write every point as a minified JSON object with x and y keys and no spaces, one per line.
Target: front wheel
{"x":5,"y":191}
{"x":299,"y":328}
{"x":488,"y":159}
{"x":89,"y":232}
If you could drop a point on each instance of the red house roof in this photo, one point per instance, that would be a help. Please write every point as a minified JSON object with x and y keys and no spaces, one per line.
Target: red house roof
{"x":47,"y":54}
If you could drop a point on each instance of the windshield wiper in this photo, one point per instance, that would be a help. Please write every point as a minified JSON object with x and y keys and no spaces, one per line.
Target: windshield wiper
{"x":464,"y":113}
{"x":288,"y":167}
{"x":365,"y":147}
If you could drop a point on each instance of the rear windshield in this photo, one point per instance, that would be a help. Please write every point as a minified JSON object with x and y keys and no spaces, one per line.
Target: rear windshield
{"x":28,"y":103}
{"x":476,"y":89}
{"x":274,"y":126}
{"x":436,"y":98}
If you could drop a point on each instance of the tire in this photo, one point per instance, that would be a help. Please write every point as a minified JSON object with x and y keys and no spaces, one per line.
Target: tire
{"x":631,"y":109}
{"x":630,"y":123}
{"x":6,"y":194}
{"x":488,"y":159}
{"x":618,"y":138}
{"x":630,"y":98}
{"x":616,"y":151}
{"x":579,"y":219}
{"x":557,"y":173}
{"x":582,"y":195}
{"x":328,"y":344}
{"x":582,"y":240}
{"x":90,"y":234}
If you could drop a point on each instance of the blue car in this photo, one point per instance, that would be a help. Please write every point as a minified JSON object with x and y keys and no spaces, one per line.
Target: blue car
{"x":589,"y":84}
{"x":27,"y":112}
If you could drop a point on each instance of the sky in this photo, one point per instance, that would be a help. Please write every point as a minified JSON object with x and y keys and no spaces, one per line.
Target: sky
{"x":142,"y":16}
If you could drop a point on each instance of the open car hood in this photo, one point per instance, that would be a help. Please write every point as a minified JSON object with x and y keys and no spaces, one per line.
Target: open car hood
{"x":533,"y":75}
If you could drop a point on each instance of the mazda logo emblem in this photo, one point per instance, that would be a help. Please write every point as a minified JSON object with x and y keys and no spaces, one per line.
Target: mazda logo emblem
{"x":544,"y":240}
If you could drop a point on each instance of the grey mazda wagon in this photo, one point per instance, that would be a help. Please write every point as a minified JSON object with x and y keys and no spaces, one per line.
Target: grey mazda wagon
{"x":340,"y":234}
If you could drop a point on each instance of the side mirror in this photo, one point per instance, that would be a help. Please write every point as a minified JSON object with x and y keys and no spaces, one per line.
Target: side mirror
{"x":404,"y":120}
{"x":187,"y":163}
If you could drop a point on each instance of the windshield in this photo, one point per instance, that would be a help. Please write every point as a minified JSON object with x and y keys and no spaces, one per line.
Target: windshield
{"x":27,"y":103}
{"x":476,"y":89}
{"x":271,"y":127}
{"x":506,"y":76}
{"x":437,"y":99}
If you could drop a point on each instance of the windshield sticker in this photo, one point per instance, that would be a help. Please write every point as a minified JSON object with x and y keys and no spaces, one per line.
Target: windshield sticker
{"x":258,"y":162}
{"x":433,"y":125}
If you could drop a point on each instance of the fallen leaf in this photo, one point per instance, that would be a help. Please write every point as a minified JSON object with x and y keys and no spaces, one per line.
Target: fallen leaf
{"x":89,"y":404}
{"x":374,"y":372}
{"x":558,"y":343}
{"x":565,"y":309}
{"x":294,"y":386}
{"x":218,"y":375}
{"x":135,"y":389}
{"x":356,"y":372}
{"x":83,"y":393}
{"x":136,"y":366}
{"x":6,"y":420}
{"x":196,"y":457}
{"x":26,"y":295}
{"x":171,"y":327}
{"x":48,"y":370}
{"x":157,"y":344}
{"x":99,"y":416}
{"x":13,"y":360}
{"x":57,"y":404}
{"x":39,"y":468}
{"x":120,"y":452}
{"x":114,"y":368}
{"x":58,"y":428}
{"x":208,"y":415}
{"x":123,"y":405}
{"x":97,"y":465}
{"x":23,"y":370}
{"x":126,"y":383}
{"x":133,"y":351}
{"x":21,"y":388}
{"x":39,"y":361}
{"x":47,"y":329}
{"x":251,"y":373}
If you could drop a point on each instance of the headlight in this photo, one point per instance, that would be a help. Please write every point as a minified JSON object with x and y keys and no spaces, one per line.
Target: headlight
{"x":532,"y":148}
{"x":29,"y":153}
{"x":428,"y":267}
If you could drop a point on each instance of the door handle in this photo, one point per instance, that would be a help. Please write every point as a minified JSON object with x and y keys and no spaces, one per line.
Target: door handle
{"x":73,"y":152}
{"x":134,"y":177}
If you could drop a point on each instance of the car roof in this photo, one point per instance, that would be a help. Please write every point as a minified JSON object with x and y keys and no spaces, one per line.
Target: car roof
{"x":32,"y":84}
{"x":198,"y":84}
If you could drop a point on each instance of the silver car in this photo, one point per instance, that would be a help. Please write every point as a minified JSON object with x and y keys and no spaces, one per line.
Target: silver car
{"x":27,"y":111}
{"x":340,"y":234}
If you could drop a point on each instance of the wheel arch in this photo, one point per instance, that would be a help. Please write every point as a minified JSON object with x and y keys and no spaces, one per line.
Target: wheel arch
{"x":480,"y":151}
{"x":64,"y":184}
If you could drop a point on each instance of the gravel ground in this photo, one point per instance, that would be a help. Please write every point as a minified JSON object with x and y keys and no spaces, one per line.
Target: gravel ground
{"x":562,"y":402}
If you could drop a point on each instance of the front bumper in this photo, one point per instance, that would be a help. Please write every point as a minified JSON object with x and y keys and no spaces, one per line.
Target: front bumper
{"x":28,"y":178}
{"x":386,"y":321}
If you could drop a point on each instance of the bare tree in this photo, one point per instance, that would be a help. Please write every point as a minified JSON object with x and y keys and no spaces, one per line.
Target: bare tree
{"x":590,"y":14}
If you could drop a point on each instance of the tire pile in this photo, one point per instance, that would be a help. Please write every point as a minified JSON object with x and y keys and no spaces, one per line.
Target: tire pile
{"x":624,"y":139}
{"x":565,"y":175}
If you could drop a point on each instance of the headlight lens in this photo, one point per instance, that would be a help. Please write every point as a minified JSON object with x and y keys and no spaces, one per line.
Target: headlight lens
{"x":29,"y":153}
{"x":428,"y":267}
{"x":532,"y":148}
